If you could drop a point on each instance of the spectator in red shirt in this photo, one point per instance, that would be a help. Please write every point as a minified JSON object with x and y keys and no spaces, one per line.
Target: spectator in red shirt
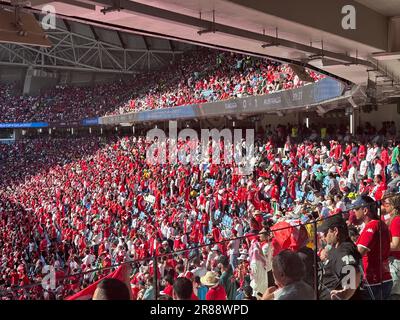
{"x":392,"y":207}
{"x":204,"y":222}
{"x":169,"y":288}
{"x":379,"y":189}
{"x":216,"y":291}
{"x":259,"y":218}
{"x":373,"y":243}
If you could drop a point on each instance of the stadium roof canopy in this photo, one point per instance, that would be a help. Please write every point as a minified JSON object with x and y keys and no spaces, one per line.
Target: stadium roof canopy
{"x":79,"y":46}
{"x":310,"y":32}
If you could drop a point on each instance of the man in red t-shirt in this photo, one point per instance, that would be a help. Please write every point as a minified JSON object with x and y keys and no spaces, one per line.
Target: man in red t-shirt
{"x":391,"y":206}
{"x":216,"y":291}
{"x":374,"y":246}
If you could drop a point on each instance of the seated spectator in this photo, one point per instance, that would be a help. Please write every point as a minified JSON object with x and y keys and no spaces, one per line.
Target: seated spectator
{"x":289,"y":272}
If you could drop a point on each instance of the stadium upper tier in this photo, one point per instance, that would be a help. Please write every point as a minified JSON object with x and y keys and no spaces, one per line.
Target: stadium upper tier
{"x":197,"y":77}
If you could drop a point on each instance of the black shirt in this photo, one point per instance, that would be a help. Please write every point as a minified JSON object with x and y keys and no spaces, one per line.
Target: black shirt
{"x":336,"y":267}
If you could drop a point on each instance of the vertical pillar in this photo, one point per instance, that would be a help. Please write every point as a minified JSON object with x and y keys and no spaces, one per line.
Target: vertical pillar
{"x":352,"y":120}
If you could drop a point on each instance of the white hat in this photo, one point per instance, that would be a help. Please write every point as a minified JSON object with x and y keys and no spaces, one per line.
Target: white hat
{"x":210,"y":279}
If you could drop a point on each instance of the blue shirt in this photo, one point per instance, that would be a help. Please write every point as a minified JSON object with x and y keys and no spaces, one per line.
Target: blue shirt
{"x":201,"y":292}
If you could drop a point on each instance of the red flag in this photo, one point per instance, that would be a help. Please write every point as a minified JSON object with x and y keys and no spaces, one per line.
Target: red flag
{"x":289,"y":237}
{"x":88,"y":292}
{"x":281,"y":240}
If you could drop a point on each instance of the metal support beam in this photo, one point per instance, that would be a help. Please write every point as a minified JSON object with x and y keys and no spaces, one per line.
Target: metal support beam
{"x":123,"y":44}
{"x":146,"y":43}
{"x":95,"y":35}
{"x":67,"y":24}
{"x":76,"y":3}
{"x":73,"y":50}
{"x":151,"y":11}
{"x":171,"y":45}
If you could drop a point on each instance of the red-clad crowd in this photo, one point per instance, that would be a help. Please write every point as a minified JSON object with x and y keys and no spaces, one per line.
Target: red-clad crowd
{"x":91,"y":203}
{"x":207,"y":76}
{"x":198,"y":76}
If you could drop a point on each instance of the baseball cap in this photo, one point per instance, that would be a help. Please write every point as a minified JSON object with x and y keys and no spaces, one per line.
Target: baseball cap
{"x":331,"y":222}
{"x":362,"y":201}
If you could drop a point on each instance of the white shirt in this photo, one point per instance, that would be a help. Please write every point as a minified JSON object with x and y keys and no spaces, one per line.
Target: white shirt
{"x":363,"y":167}
{"x":239,"y":229}
{"x":164,"y":230}
{"x":89,"y":259}
{"x":170,"y":232}
{"x":234,"y":246}
{"x":267,"y":250}
{"x":304,"y":175}
{"x":378,"y":169}
{"x":351,"y":178}
{"x":199,"y":271}
{"x":370,"y":154}
{"x":212,"y":256}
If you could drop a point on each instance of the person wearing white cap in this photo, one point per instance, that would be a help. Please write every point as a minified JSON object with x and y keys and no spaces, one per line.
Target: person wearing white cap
{"x":212,"y":256}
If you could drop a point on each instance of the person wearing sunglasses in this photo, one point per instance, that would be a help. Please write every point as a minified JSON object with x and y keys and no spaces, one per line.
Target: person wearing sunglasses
{"x":374,"y":246}
{"x":341,"y":276}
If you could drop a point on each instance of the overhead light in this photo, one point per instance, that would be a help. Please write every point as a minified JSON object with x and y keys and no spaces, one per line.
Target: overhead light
{"x":383,"y":56}
{"x":280,"y":114}
{"x":272,"y":44}
{"x":200,"y":32}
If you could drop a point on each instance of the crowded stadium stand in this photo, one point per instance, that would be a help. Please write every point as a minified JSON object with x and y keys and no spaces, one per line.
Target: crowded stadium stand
{"x":123,"y":175}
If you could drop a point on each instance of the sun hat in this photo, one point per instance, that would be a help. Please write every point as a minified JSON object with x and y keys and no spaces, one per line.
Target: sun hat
{"x":209,"y":279}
